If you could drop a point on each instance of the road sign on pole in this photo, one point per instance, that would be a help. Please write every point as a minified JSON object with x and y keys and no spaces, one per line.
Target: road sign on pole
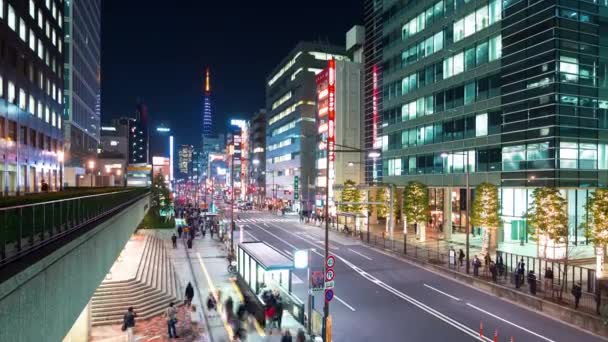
{"x":329,"y":295}
{"x":329,"y":274}
{"x":330,"y":261}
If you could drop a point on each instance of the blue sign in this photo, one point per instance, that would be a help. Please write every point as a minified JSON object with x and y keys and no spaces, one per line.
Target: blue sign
{"x":329,"y":295}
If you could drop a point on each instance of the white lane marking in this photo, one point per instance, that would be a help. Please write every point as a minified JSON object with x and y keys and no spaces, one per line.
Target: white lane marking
{"x":295,"y":279}
{"x":361,"y":255}
{"x":345,"y":303}
{"x":471,"y":332}
{"x":508,"y":322}
{"x":443,"y":293}
{"x":277,"y":237}
{"x":252,"y":236}
{"x":288,"y":252}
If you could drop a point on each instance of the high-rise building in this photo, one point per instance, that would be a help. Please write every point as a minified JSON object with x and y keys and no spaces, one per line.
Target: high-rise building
{"x":291,"y":110}
{"x":184,"y":161}
{"x":207,"y":115}
{"x":82,"y":92}
{"x":339,"y":103}
{"x":513,"y":93}
{"x":257,"y":156}
{"x":31,"y":100}
{"x":139,"y":148}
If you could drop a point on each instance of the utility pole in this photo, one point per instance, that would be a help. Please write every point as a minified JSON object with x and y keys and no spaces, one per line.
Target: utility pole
{"x":232,"y":204}
{"x":326,"y":303}
{"x":468,"y":212}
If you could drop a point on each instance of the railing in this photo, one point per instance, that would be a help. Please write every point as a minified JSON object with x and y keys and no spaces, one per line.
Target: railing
{"x":558,"y":290}
{"x":24,"y":228}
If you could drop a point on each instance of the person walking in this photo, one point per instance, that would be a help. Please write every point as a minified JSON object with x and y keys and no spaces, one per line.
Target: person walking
{"x":189,"y":294}
{"x":180,"y":230}
{"x":577,"y":292}
{"x":532,"y":282}
{"x":128,"y":323}
{"x":500,"y":265}
{"x":278,"y":309}
{"x":519,"y":275}
{"x":301,"y":336}
{"x":171,"y":315}
{"x":460,"y":257}
{"x":548,"y":279}
{"x":174,"y":240}
{"x":476,"y":266}
{"x":229,"y":308}
{"x":493,"y":271}
{"x":211,"y":304}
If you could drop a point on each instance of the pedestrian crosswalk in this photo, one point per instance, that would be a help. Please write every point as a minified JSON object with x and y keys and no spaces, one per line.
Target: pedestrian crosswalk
{"x":262,"y":220}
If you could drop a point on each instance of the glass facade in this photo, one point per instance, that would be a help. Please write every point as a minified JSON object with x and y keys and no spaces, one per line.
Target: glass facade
{"x":514,"y":92}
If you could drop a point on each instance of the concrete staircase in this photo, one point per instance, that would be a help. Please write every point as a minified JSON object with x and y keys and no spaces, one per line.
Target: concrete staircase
{"x":149,"y":292}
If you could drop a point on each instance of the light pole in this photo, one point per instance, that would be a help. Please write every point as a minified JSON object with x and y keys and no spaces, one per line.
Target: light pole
{"x":232,"y":203}
{"x":91,"y":167}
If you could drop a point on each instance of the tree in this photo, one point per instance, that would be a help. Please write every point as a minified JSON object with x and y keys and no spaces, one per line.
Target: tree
{"x":596,"y":218}
{"x":161,"y":196}
{"x":485,"y":214}
{"x":416,"y":206}
{"x":350,"y":193}
{"x":381,"y":209}
{"x":548,"y":217}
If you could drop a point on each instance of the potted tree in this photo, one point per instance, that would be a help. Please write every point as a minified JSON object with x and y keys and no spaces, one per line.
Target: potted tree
{"x":416,"y":207}
{"x":596,"y":222}
{"x":548,"y":220}
{"x":485,"y":215}
{"x":350,"y":194}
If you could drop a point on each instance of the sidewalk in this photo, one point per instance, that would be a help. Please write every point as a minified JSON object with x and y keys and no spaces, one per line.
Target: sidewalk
{"x":205,"y":265}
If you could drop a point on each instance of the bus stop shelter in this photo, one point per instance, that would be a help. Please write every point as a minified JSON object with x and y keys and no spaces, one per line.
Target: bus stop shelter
{"x":352,"y":220}
{"x":262,"y":267}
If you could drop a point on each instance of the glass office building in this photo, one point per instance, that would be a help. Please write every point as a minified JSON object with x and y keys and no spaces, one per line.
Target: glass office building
{"x":515,"y":90}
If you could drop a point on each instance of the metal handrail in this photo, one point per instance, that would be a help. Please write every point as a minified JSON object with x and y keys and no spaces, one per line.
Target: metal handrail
{"x":60,"y":200}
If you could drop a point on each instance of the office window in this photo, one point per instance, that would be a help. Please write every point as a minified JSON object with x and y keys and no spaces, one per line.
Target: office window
{"x":587,"y":156}
{"x":568,"y":155}
{"x":47,"y":114}
{"x":22,"y":99}
{"x":447,"y":67}
{"x":495,"y":10}
{"x":459,"y":29}
{"x":469,"y":59}
{"x":495,"y":47}
{"x":40,"y":49}
{"x":428,"y":46}
{"x":512,"y":157}
{"x":568,"y":67}
{"x":420,"y":107}
{"x":412,"y":110}
{"x":22,"y":30}
{"x":458,"y":63}
{"x":54,"y":119}
{"x":438,"y":9}
{"x":32,"y":9}
{"x":482,"y":53}
{"x":12,"y":93}
{"x":438,"y":41}
{"x":428,"y":107}
{"x":1,"y":84}
{"x":481,"y":18}
{"x":32,"y":40}
{"x":602,"y":156}
{"x":40,"y":19}
{"x":32,"y":106}
{"x":469,"y":24}
{"x":12,"y":19}
{"x":469,"y":93}
{"x":481,"y":125}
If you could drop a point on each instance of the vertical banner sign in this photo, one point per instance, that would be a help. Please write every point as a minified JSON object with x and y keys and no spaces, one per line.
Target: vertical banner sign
{"x":331,"y":113}
{"x":296,"y":188}
{"x":376,"y":142}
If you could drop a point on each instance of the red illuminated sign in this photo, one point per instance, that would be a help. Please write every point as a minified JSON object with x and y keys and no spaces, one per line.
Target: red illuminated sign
{"x":331,"y":113}
{"x":375,"y":106}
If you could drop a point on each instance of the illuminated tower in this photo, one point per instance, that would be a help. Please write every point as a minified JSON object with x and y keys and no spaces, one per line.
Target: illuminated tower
{"x":207,"y":123}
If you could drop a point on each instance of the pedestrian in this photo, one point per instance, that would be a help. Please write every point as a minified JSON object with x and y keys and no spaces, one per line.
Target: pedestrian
{"x":194,"y":319}
{"x":460,"y":257}
{"x":179,"y":231}
{"x":128,"y":323}
{"x":189,"y":294}
{"x":548,"y":279}
{"x":493,"y":271}
{"x":500,"y":265}
{"x":278,"y":305}
{"x":286,"y":336}
{"x":486,"y":261}
{"x":204,"y":231}
{"x":269,"y":313}
{"x":211,"y":303}
{"x":301,"y":336}
{"x":577,"y":292}
{"x":174,"y":240}
{"x":229,"y":308}
{"x":521,"y":270}
{"x":532,"y":282}
{"x":476,"y":266}
{"x":171,"y":315}
{"x":186,"y":232}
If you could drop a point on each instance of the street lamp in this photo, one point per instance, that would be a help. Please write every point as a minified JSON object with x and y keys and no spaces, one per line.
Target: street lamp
{"x":91,"y":167}
{"x":60,"y":158}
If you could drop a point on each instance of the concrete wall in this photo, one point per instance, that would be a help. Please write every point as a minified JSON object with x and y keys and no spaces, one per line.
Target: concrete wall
{"x":42,"y":302}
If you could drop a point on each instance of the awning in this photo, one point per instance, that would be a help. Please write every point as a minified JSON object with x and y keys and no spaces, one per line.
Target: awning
{"x":266,"y":256}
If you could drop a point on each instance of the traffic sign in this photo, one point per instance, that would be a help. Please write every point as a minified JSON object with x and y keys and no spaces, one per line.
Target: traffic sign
{"x":329,"y":295}
{"x":330,"y":284}
{"x":329,"y":274}
{"x":330,"y":261}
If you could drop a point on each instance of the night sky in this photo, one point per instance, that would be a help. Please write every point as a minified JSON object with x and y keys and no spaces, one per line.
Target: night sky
{"x":158,"y":50}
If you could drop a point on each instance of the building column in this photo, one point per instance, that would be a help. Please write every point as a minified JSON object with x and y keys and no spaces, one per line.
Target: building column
{"x":81,"y":329}
{"x":447,"y":213}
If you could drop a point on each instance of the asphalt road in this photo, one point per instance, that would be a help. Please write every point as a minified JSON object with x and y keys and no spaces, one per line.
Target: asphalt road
{"x":382,"y":298}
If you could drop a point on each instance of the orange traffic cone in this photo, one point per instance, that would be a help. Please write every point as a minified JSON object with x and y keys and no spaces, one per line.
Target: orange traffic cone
{"x":481,"y":329}
{"x":495,"y":335}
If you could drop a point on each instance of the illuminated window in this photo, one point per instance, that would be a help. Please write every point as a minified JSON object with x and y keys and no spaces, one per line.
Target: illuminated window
{"x":495,"y":10}
{"x":32,"y":106}
{"x":32,"y":40}
{"x":481,"y":18}
{"x":47,"y":114}
{"x":568,"y":155}
{"x":22,"y":30}
{"x":469,"y":24}
{"x":281,"y":100}
{"x":54,"y":119}
{"x":12,"y":93}
{"x":22,"y":99}
{"x":40,"y":110}
{"x":40,"y":19}
{"x":459,"y":30}
{"x":458,"y":63}
{"x":481,"y":125}
{"x":568,"y":67}
{"x":12,"y":19}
